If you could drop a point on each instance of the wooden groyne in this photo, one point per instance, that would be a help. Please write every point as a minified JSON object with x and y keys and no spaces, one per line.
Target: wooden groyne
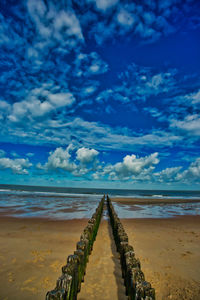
{"x":69,"y":283}
{"x":136,"y":286}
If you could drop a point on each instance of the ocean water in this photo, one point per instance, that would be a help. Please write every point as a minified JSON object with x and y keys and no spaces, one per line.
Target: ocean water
{"x":73,"y":203}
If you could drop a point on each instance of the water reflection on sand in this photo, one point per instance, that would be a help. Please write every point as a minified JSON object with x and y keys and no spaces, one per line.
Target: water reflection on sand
{"x":26,"y":204}
{"x":78,"y":206}
{"x":156,"y":211}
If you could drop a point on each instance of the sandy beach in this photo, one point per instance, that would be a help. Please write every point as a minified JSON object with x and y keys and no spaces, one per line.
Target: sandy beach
{"x":32,"y":252}
{"x":169,"y":253}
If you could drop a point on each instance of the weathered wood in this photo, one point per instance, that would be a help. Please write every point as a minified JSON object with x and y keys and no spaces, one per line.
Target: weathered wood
{"x":69,"y":283}
{"x":134,"y":280}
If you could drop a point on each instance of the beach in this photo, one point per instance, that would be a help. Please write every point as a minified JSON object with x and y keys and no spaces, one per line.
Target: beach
{"x":32,"y":252}
{"x":169,"y":253}
{"x":39,"y":231}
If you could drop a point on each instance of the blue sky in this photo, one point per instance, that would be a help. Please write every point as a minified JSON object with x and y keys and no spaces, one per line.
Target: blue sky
{"x":100,"y":93}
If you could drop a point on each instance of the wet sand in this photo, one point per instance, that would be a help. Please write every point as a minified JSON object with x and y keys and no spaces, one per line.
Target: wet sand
{"x":143,"y":201}
{"x":169,"y":251}
{"x":32,"y":252}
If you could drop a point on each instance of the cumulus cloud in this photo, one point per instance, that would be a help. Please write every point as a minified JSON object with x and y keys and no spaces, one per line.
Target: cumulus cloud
{"x":60,"y":159}
{"x":77,"y":162}
{"x":85,"y":155}
{"x":168,"y":174}
{"x":131,"y":168}
{"x":178,"y":174}
{"x":192,"y":173}
{"x":17,"y":166}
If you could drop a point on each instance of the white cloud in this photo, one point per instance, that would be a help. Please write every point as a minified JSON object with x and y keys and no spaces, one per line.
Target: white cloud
{"x":66,"y":159}
{"x":125,"y":18}
{"x":139,"y":19}
{"x":105,"y":4}
{"x":132,"y":167}
{"x":60,"y":159}
{"x":138,"y":83}
{"x":89,"y":64}
{"x":85,"y":155}
{"x":53,"y":23}
{"x":191,"y":174}
{"x":193,"y":98}
{"x":4,"y":109}
{"x":67,"y":24}
{"x":168,"y":174}
{"x":18,"y":166}
{"x":61,"y":99}
{"x":190,"y":124}
{"x":40,"y":102}
{"x":14,"y":154}
{"x":177,"y":174}
{"x":64,"y":130}
{"x":30,"y":154}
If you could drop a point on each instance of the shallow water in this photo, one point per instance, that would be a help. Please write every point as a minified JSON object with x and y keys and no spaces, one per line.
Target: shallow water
{"x":156,"y":211}
{"x":48,"y":205}
{"x":65,"y":205}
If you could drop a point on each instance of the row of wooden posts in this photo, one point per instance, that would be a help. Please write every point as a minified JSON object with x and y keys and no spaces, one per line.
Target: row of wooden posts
{"x":69,"y":283}
{"x":136,"y":286}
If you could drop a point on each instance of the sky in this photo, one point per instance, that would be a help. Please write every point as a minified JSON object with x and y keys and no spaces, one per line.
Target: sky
{"x":100,"y":93}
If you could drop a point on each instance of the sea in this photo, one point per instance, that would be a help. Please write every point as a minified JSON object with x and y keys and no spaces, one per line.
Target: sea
{"x":62,"y":203}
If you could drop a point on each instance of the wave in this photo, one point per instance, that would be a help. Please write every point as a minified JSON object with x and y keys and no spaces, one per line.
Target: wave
{"x":57,"y":194}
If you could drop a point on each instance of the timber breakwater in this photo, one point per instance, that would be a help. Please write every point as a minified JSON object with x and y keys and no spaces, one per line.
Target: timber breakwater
{"x":69,"y":283}
{"x":136,"y":286}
